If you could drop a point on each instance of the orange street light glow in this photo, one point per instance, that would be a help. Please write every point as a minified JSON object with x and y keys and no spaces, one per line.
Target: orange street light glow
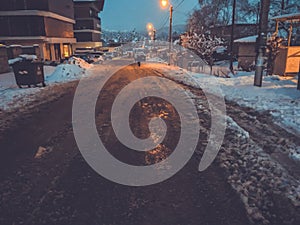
{"x":150,"y":26}
{"x":164,"y":3}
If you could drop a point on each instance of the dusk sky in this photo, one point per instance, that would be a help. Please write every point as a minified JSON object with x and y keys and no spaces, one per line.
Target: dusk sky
{"x":130,"y":14}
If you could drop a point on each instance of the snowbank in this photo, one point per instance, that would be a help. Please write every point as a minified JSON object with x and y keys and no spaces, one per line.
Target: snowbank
{"x":156,"y":60}
{"x":279,"y":95}
{"x":73,"y":69}
{"x":79,"y":62}
{"x":13,"y":97}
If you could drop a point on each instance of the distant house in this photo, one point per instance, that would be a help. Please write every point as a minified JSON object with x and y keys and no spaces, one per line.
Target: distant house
{"x":240,"y":31}
{"x":246,"y":52}
{"x":47,"y":23}
{"x":87,"y":29}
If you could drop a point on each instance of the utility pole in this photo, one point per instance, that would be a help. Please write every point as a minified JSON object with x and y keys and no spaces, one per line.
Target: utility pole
{"x":232,"y":36}
{"x":170,"y":33}
{"x":261,"y":42}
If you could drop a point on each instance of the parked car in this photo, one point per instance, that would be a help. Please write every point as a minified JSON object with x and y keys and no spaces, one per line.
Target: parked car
{"x":139,"y":57}
{"x":96,"y":57}
{"x":108,"y":55}
{"x":220,"y":53}
{"x":85,"y":57}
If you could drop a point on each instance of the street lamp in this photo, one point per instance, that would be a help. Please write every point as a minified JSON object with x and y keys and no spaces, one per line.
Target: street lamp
{"x":151,"y":31}
{"x":150,"y":26}
{"x":164,"y":4}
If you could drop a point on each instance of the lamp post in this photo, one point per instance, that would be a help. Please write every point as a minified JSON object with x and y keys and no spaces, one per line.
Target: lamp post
{"x":151,"y":31}
{"x":150,"y":26}
{"x":164,"y":4}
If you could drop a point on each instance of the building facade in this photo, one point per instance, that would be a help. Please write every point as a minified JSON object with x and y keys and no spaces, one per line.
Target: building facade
{"x":47,"y":23}
{"x":87,"y":28}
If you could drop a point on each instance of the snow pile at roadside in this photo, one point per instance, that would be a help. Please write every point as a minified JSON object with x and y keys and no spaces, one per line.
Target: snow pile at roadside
{"x":66,"y":72}
{"x":11,"y":96}
{"x":156,"y":60}
{"x":260,"y":181}
{"x":14,"y":97}
{"x":279,"y":95}
{"x":73,"y":69}
{"x":79,"y":62}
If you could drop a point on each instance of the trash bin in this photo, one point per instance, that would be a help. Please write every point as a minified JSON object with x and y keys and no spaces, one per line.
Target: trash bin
{"x":28,"y":72}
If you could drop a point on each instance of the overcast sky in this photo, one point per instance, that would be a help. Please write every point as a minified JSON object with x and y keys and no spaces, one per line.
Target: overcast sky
{"x":130,"y":14}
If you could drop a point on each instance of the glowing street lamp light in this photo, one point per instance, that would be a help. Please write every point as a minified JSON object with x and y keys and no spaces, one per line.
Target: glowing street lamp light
{"x":150,"y":26}
{"x":151,"y":31}
{"x":164,"y":4}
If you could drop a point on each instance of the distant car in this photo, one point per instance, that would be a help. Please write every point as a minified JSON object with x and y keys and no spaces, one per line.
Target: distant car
{"x":85,"y":57}
{"x":96,"y":57}
{"x":139,"y":57}
{"x":220,"y":53}
{"x":108,"y":55}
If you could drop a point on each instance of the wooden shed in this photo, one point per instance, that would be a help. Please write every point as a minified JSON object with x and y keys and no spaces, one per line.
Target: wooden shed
{"x":246,"y":52}
{"x":288,"y":58}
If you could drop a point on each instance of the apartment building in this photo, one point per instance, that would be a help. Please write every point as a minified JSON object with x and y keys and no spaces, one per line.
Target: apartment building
{"x":47,"y":23}
{"x":87,"y":28}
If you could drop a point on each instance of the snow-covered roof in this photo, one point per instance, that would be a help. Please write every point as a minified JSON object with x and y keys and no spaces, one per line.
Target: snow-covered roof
{"x":285,"y":17}
{"x":249,"y":39}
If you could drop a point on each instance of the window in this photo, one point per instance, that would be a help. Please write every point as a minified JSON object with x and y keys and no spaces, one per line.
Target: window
{"x":66,"y":50}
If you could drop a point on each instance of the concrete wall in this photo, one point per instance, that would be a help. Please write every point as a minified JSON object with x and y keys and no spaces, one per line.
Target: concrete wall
{"x":14,"y":51}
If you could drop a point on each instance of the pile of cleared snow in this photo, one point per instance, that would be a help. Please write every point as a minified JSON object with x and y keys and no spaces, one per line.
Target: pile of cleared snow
{"x":73,"y":69}
{"x":66,"y":72}
{"x":156,"y":60}
{"x":16,"y":97}
{"x":12,"y":97}
{"x":256,"y":176}
{"x":279,"y":95}
{"x":79,"y":62}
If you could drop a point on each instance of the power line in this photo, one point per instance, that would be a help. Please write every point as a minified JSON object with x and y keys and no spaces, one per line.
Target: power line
{"x":176,"y":7}
{"x":179,"y":4}
{"x":164,"y":23}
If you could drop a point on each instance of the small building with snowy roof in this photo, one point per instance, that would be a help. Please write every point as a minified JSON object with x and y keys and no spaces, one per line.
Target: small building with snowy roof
{"x":246,"y":52}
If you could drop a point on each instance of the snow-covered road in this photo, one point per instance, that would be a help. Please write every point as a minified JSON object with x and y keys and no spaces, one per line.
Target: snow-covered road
{"x":260,"y":159}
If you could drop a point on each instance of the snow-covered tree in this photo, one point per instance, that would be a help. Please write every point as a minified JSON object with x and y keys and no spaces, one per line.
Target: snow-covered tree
{"x":219,"y":12}
{"x":204,"y":45}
